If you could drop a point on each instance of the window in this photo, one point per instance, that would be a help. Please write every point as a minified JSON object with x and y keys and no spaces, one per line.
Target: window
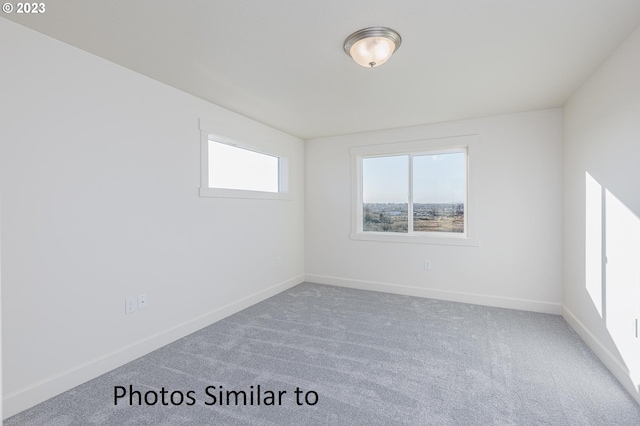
{"x":421,"y":193}
{"x":231,"y":167}
{"x":236,"y":165}
{"x":414,"y":192}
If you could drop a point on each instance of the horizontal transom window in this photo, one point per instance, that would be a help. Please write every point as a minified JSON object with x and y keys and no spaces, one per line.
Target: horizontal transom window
{"x":231,"y":167}
{"x":239,"y":164}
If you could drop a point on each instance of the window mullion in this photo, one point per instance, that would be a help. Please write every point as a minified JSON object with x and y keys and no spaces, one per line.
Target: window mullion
{"x":410,"y":197}
{"x":360,"y":192}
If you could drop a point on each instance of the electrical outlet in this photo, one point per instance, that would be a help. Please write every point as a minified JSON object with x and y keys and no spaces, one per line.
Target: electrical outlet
{"x":142,"y":301}
{"x":130,"y":305}
{"x":427,"y":265}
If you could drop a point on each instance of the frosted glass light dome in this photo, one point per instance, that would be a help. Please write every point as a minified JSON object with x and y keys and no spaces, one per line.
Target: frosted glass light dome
{"x":372,"y":47}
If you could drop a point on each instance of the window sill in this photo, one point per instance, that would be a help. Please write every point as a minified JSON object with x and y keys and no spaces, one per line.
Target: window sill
{"x":236,"y":193}
{"x":415,"y":239}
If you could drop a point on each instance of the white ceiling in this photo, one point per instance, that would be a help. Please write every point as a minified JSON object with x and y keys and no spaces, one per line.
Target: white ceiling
{"x":281,"y":61}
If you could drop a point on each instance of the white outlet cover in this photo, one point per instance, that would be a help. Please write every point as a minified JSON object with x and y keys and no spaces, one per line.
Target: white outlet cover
{"x":130,"y":305}
{"x":142,"y":301}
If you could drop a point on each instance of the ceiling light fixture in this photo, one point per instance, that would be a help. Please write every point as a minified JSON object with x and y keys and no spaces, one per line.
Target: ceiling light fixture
{"x":373,"y":46}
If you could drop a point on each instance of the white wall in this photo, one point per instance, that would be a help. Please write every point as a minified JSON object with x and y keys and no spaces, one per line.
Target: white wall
{"x":100,"y":171}
{"x":1,"y":379}
{"x":602,"y":212}
{"x":518,"y":162}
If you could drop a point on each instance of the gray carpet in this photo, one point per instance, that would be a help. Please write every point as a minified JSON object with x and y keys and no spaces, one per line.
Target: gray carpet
{"x":371,"y":359}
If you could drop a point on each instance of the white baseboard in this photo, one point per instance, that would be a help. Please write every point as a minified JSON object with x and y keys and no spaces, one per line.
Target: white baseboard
{"x":454,"y":296}
{"x":33,"y":395}
{"x":608,"y":359}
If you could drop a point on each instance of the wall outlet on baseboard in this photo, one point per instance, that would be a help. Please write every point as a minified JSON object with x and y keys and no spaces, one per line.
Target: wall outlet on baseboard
{"x":427,"y":265}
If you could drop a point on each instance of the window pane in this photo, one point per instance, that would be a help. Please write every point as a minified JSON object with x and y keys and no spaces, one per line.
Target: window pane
{"x":439,"y":192}
{"x":231,"y":167}
{"x":385,"y":197}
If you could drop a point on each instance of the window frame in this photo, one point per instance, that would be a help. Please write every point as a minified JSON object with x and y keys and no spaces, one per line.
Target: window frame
{"x":466,"y":143}
{"x":244,"y":140}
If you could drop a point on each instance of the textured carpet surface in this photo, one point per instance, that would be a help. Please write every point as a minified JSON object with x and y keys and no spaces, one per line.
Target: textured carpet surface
{"x":359,"y":358}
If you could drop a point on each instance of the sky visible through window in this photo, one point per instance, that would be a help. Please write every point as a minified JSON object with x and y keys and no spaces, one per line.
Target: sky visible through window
{"x":385,"y":179}
{"x":438,"y":178}
{"x":231,"y":167}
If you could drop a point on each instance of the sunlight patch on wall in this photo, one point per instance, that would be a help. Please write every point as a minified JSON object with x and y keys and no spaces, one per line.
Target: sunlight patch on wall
{"x":612,"y":269}
{"x":593,"y":242}
{"x":622,"y":240}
